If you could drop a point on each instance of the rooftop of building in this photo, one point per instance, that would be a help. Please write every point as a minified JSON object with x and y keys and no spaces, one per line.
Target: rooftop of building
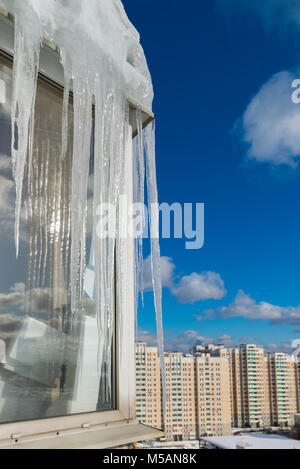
{"x":251,"y":441}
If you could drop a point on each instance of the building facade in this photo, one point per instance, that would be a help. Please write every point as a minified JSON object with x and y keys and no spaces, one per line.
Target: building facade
{"x":215,"y":389}
{"x":283,"y":391}
{"x":198,"y":398}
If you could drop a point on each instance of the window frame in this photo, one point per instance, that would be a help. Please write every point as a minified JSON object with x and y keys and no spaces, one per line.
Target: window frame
{"x":51,"y":71}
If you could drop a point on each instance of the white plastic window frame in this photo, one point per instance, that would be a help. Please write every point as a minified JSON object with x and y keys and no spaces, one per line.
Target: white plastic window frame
{"x":52,"y":70}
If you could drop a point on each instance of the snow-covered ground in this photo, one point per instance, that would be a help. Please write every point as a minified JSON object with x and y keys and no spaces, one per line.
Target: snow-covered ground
{"x":169,"y":445}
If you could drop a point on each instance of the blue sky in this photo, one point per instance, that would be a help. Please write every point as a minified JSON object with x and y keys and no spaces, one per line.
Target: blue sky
{"x":227,"y":135}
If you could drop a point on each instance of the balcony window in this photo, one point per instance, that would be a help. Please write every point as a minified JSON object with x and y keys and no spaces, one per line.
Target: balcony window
{"x":51,"y":378}
{"x":51,"y":366}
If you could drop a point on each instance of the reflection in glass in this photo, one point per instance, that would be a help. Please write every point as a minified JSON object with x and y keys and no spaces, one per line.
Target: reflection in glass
{"x":49,"y":363}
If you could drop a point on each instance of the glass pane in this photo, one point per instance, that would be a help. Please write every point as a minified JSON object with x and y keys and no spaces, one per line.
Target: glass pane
{"x":48,"y":356}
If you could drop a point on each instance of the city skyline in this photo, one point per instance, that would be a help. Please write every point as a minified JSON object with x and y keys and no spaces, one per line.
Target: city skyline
{"x":234,"y":77}
{"x":215,"y":390}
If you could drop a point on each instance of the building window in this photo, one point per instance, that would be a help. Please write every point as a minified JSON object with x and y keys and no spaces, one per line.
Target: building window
{"x":51,"y":366}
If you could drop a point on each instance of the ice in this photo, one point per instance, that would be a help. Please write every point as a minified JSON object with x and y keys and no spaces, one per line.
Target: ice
{"x":155,"y":249}
{"x":104,"y":64}
{"x":26,"y":60}
{"x":138,"y":198}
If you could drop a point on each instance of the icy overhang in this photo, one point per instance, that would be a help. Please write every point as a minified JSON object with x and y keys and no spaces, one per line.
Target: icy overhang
{"x":101,"y":38}
{"x":103,"y":63}
{"x":52,"y":68}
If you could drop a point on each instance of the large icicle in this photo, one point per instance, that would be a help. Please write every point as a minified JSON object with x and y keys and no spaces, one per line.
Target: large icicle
{"x":26,"y":61}
{"x":155,"y":249}
{"x":83,"y":99}
{"x":139,"y":198}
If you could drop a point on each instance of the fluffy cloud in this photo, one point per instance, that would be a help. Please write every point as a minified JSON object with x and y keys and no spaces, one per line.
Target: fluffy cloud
{"x":6,"y":192}
{"x":188,"y":339}
{"x":38,"y":299}
{"x":182,"y":343}
{"x":197,"y":287}
{"x":167,"y":268}
{"x":5,"y":163}
{"x":245,"y":306}
{"x":14,"y":297}
{"x":146,"y":336}
{"x":9,"y":325}
{"x":271,"y":122}
{"x":190,"y":288}
{"x":281,"y":347}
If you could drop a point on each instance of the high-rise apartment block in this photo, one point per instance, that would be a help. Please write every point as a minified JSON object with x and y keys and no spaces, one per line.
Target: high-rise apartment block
{"x":214,"y":389}
{"x":148,"y":386}
{"x":249,"y":386}
{"x":283,"y":387}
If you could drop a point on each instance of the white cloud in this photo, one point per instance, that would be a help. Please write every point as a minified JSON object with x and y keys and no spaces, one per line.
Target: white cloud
{"x":36,"y":299}
{"x":185,"y":341}
{"x":281,"y":347}
{"x":167,"y":271}
{"x":188,"y":339}
{"x":245,"y":306}
{"x":146,"y":336}
{"x":9,"y":324}
{"x":14,"y":297}
{"x":6,"y":193}
{"x":271,"y":122}
{"x":197,"y":287}
{"x":5,"y":163}
{"x":190,"y":288}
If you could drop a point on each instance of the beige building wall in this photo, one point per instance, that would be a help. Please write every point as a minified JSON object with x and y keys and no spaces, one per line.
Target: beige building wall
{"x":197,"y":394}
{"x":283,"y":391}
{"x":213,"y":398}
{"x":148,"y":386}
{"x":216,"y":389}
{"x":180,"y":414}
{"x":233,"y":357}
{"x":249,"y":385}
{"x":297,"y":377}
{"x":254,"y":386}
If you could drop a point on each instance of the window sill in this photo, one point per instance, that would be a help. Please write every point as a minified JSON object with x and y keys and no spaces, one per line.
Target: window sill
{"x":100,"y":437}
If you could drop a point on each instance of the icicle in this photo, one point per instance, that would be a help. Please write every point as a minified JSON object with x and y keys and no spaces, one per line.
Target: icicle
{"x":116,"y":185}
{"x":26,"y":61}
{"x":100,"y":169}
{"x":65,"y":114}
{"x":139,"y":198}
{"x":83,"y":99}
{"x":155,"y":249}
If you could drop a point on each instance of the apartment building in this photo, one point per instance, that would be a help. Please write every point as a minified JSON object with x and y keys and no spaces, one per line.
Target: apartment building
{"x":148,"y":386}
{"x":213,"y":399}
{"x":297,"y":372}
{"x":215,"y":389}
{"x":180,"y":415}
{"x":233,"y":357}
{"x":248,"y":383}
{"x":254,"y":386}
{"x":197,"y":393}
{"x":283,"y":391}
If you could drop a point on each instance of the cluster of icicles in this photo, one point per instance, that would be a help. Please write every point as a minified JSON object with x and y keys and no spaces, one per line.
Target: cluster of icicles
{"x":100,"y":86}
